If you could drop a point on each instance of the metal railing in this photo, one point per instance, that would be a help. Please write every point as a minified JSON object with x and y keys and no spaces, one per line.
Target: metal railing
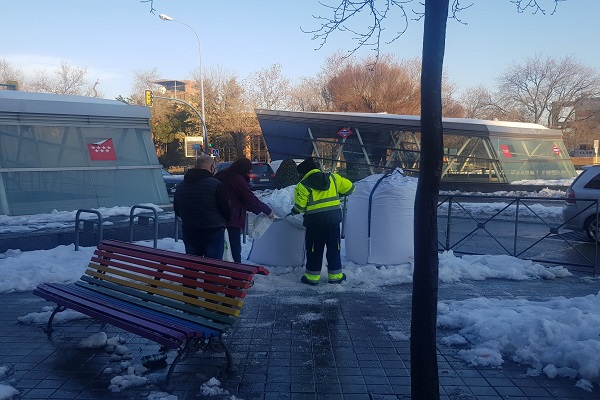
{"x":520,"y":227}
{"x":143,"y":219}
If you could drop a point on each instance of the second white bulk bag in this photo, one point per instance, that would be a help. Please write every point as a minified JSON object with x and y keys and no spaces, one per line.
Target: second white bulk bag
{"x":379,"y":220}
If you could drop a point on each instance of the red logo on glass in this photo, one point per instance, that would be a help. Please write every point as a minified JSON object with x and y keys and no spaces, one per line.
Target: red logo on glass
{"x":103,"y":150}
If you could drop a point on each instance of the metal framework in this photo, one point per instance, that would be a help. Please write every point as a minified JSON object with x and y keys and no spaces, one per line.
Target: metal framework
{"x":357,"y":145}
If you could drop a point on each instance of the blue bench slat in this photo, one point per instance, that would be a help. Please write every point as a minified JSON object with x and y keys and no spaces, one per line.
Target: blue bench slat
{"x":158,"y":333}
{"x":221,"y":321}
{"x":161,"y":314}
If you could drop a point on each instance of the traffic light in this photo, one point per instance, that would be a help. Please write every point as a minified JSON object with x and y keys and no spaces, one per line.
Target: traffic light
{"x":149,"y":97}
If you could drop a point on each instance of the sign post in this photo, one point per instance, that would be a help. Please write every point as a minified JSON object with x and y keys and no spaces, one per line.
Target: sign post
{"x":596,"y":143}
{"x":197,"y":147}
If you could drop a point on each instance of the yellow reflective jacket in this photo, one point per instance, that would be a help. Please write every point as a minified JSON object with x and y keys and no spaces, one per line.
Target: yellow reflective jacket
{"x":318,"y":197}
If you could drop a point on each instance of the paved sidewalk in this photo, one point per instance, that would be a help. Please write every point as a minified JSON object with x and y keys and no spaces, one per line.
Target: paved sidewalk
{"x":302,"y":345}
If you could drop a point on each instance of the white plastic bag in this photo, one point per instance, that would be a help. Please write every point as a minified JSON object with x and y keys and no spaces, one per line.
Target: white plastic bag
{"x":227,"y":256}
{"x":258,"y":226}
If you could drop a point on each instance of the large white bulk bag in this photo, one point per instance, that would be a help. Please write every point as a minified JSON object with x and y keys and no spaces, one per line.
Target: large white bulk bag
{"x":281,"y":245}
{"x":379,"y":220}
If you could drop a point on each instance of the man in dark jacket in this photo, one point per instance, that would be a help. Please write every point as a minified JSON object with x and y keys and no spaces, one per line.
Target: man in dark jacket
{"x":318,"y":197}
{"x":202,"y":203}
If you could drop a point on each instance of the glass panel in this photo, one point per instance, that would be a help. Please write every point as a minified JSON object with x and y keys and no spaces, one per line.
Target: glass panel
{"x":42,"y":192}
{"x":260,"y":168}
{"x":534,"y":159}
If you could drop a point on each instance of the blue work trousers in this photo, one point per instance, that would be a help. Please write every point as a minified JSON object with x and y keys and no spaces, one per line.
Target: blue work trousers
{"x":316,"y":239}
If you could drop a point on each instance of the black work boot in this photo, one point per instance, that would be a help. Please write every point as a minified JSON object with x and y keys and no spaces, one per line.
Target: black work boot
{"x":308,"y":282}
{"x":342,"y":279}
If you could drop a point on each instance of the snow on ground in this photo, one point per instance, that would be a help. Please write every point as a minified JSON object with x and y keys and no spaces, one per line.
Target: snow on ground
{"x":556,"y":337}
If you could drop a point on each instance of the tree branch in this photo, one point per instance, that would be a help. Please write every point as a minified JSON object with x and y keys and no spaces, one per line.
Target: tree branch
{"x":152,"y":9}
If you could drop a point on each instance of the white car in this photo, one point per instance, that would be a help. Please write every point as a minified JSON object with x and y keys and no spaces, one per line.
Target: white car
{"x":580,"y":211}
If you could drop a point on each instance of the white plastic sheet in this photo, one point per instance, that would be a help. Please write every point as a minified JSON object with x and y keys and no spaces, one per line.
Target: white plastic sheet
{"x":385,"y":237}
{"x":227,"y":256}
{"x":258,"y":225}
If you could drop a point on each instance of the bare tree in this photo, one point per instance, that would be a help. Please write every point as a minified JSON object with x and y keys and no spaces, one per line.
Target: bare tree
{"x":268,"y":88}
{"x":478,"y":102}
{"x":545,"y":90}
{"x":230,"y":119}
{"x":308,"y":95}
{"x":143,"y":80}
{"x":424,"y":374}
{"x":8,"y":73}
{"x":65,"y":80}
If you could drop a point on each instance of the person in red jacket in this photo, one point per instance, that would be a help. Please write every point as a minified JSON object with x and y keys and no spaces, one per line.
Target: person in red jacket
{"x":235,"y":178}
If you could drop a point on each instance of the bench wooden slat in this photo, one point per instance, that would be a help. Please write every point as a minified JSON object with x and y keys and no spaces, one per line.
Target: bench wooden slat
{"x":191,"y":314}
{"x":246,"y":268}
{"x":162,"y":335}
{"x":176,"y":273}
{"x":223,"y":277}
{"x":103,"y":272}
{"x":150,"y":299}
{"x":165,"y":315}
{"x":166,"y":294}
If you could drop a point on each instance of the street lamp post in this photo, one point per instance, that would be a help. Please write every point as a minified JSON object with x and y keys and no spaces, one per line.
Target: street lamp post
{"x":165,"y":17}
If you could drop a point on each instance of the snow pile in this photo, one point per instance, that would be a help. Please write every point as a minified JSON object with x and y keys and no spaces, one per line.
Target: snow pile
{"x":557,"y":337}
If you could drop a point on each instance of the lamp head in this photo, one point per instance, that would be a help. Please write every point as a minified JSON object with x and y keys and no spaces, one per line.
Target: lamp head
{"x":165,"y":17}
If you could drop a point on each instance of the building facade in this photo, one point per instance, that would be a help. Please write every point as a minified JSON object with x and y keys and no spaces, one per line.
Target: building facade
{"x":66,"y":153}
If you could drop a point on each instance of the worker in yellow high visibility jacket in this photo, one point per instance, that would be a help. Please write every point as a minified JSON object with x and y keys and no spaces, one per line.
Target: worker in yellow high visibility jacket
{"x":318,"y":197}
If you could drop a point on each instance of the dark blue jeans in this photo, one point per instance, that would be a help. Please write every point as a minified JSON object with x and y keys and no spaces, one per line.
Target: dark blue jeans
{"x":235,"y":242}
{"x":205,"y":244}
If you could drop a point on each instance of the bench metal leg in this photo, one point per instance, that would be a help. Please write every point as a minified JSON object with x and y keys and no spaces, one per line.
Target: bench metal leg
{"x":194,"y":345}
{"x":230,"y":366}
{"x":49,"y":329}
{"x":191,"y":346}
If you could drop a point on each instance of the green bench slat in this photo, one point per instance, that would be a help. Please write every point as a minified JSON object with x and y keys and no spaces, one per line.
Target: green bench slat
{"x":220,"y":320}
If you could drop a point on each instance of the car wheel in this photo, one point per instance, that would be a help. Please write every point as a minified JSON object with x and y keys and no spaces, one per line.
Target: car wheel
{"x":590,"y":227}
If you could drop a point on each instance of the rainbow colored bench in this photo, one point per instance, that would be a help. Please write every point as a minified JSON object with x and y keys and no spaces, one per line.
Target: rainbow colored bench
{"x":179,"y":301}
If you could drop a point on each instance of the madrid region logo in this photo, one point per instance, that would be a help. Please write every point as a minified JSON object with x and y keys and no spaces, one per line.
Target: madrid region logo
{"x":103,"y":150}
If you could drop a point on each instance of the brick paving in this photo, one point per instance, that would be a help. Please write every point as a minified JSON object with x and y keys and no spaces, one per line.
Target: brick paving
{"x":300,"y":345}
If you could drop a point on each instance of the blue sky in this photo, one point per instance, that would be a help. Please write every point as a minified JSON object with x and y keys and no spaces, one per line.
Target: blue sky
{"x":113,"y":38}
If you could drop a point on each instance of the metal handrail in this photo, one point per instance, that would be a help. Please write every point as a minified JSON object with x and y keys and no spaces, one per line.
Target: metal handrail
{"x":77,"y":229}
{"x":132,"y":221}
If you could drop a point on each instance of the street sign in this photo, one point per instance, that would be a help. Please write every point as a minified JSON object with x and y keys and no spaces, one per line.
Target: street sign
{"x":344,"y":132}
{"x":193,"y":145}
{"x":148,"y":97}
{"x":214,"y":152}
